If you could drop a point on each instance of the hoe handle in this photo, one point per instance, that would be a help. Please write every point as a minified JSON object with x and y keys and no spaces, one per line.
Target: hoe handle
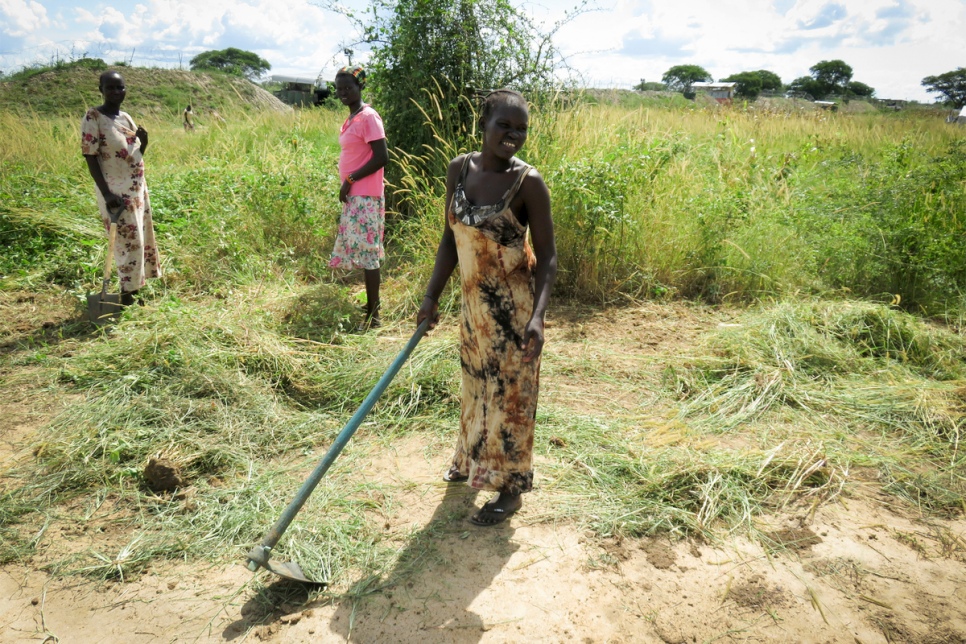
{"x":111,"y":237}
{"x":273,"y":535}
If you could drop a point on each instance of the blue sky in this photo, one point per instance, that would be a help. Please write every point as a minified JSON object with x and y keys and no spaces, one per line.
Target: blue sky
{"x":890,"y":44}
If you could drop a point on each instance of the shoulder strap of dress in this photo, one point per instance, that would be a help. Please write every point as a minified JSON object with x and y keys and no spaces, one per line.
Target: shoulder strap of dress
{"x":466,"y":164}
{"x":512,"y":192}
{"x":459,"y":180}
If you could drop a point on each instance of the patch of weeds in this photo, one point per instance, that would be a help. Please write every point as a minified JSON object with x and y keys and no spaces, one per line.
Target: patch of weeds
{"x":935,"y":493}
{"x":619,"y":486}
{"x":14,"y":545}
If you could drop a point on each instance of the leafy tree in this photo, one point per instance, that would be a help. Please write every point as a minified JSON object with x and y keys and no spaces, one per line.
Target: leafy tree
{"x":231,"y":61}
{"x":747,"y":84}
{"x":950,"y":86}
{"x":833,"y":74}
{"x":644,"y":86}
{"x":807,"y":87}
{"x":680,"y":77}
{"x":855,"y":88}
{"x":829,"y":78}
{"x":750,"y":84}
{"x":770,"y":81}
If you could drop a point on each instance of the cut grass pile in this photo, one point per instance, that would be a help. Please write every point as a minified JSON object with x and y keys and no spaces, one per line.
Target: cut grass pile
{"x":243,"y":409}
{"x":875,"y":386}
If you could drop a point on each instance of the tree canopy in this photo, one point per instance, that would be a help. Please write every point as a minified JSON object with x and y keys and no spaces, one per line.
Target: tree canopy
{"x":950,"y":86}
{"x":833,"y":74}
{"x":829,"y":78}
{"x":680,"y":77}
{"x":749,"y":84}
{"x":454,"y":50}
{"x":645,"y":86}
{"x":806,"y":87}
{"x":231,"y":61}
{"x":855,"y":88}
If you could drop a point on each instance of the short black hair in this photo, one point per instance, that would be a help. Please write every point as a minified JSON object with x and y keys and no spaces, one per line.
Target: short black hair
{"x":107,"y":74}
{"x":498,"y":98}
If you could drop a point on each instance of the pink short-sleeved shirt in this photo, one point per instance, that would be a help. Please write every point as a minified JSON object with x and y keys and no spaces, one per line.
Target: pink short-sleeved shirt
{"x":358,"y":132}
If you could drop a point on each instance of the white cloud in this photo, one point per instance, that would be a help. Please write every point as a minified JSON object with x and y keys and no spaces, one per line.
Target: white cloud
{"x":293,"y":35}
{"x":22,"y":17}
{"x":891,"y":44}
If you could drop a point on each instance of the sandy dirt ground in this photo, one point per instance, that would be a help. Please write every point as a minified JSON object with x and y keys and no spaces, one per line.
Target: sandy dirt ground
{"x":864,"y":568}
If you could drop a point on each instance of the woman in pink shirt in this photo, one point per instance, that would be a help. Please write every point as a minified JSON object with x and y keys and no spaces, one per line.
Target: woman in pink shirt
{"x":363,"y":156}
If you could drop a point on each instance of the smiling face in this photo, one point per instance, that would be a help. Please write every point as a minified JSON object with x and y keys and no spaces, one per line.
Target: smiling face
{"x":113,"y":89}
{"x":505,"y":131}
{"x":348,"y":89}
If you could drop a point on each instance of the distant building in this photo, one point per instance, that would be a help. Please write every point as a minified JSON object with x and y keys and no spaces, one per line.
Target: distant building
{"x":959,"y":119}
{"x":831,"y":106}
{"x":721,"y":92}
{"x":300,"y":91}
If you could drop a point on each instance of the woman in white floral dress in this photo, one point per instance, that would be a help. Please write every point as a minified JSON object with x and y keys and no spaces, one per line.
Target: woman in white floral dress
{"x":114,"y":146}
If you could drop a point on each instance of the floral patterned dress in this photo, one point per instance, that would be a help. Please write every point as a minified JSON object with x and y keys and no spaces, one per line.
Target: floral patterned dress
{"x":495,"y":445}
{"x":117,"y":148}
{"x":362,"y":226}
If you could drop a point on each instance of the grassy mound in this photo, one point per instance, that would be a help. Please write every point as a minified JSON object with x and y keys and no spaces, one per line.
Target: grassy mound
{"x":69,"y":89}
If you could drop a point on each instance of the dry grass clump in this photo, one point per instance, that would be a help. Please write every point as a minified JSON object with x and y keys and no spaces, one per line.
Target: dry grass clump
{"x":875,"y":386}
{"x":822,"y":357}
{"x":213,"y":386}
{"x":622,"y":485}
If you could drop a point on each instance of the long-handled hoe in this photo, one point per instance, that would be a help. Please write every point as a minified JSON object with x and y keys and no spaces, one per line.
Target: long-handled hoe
{"x":105,"y":307}
{"x":260,"y":554}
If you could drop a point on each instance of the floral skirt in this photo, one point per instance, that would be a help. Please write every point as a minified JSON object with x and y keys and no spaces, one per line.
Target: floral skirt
{"x":361,"y":229}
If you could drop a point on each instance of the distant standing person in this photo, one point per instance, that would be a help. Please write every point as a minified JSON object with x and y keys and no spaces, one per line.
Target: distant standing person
{"x":363,"y":155}
{"x":188,"y":124}
{"x":114,"y":147}
{"x":493,"y":201}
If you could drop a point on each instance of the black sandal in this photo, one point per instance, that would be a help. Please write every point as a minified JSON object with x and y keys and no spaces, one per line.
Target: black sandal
{"x":454,"y":476}
{"x":499,"y":515}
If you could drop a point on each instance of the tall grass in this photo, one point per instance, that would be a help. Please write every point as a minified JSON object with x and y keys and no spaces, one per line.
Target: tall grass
{"x":741,"y":204}
{"x":720,"y":204}
{"x":232,"y":203}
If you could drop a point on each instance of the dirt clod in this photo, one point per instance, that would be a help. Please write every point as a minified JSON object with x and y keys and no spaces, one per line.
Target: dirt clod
{"x":794,"y":538}
{"x":659,"y":553}
{"x":163,"y":475}
{"x":756,"y":594}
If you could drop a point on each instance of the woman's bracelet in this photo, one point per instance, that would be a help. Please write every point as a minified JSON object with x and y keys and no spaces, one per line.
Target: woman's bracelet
{"x":349,"y":178}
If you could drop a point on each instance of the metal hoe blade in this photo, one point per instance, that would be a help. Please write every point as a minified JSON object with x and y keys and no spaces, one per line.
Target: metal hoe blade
{"x":259,"y":556}
{"x":103,"y":307}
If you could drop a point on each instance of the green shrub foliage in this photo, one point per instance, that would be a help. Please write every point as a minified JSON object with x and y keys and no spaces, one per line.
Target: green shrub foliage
{"x":458,"y":49}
